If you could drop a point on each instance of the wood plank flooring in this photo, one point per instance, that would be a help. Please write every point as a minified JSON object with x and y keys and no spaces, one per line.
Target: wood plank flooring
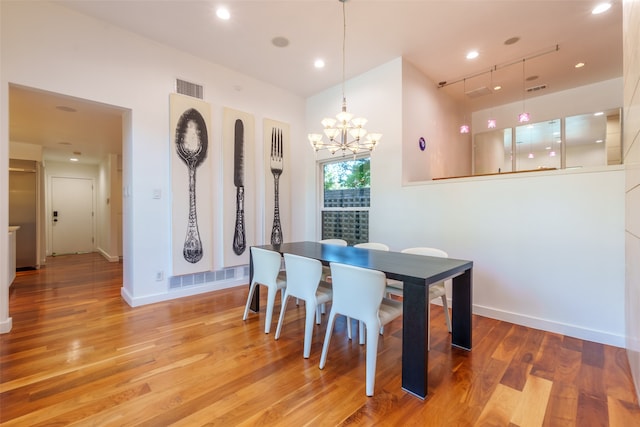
{"x":79,"y":355}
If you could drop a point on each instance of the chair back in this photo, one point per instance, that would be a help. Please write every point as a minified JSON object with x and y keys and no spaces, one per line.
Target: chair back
{"x":303,"y":276}
{"x":372,"y":245}
{"x":336,"y":242}
{"x":266,"y":266}
{"x":357,"y":292}
{"x":426,"y":251}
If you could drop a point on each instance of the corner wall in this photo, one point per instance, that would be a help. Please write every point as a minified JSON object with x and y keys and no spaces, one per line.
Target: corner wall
{"x":430,"y":114}
{"x":631,"y":153}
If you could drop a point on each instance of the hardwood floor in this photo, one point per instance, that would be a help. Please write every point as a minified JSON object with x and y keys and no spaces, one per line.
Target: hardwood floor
{"x":78,"y":354}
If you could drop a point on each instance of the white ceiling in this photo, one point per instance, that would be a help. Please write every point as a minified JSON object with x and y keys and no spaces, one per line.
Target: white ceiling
{"x":433,"y":35}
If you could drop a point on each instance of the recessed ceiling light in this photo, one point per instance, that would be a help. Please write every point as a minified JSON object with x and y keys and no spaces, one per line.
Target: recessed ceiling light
{"x":473,"y":54}
{"x":280,"y":41}
{"x":599,"y":113}
{"x":599,"y":141}
{"x":66,"y":109}
{"x":512,"y":40}
{"x":602,"y":7}
{"x":318,"y":63}
{"x":223,"y":13}
{"x":73,"y":159}
{"x":498,"y":87}
{"x":579,"y":65}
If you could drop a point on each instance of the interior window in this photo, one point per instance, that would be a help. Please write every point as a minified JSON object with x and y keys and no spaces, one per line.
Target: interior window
{"x":584,"y":140}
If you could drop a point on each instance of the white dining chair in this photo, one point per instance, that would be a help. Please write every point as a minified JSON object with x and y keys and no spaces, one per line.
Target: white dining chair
{"x":359,"y":293}
{"x":303,"y":278}
{"x":372,"y":245}
{"x":367,"y":245}
{"x":438,"y":290}
{"x":337,"y":242}
{"x":266,"y":268}
{"x":326,"y":271}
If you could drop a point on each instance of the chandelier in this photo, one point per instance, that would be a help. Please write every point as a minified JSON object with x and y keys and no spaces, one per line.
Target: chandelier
{"x":344,"y":133}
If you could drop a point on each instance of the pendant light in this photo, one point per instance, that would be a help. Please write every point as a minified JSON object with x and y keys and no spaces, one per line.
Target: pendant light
{"x":491,"y":123}
{"x":465,"y":127}
{"x":524,"y":116}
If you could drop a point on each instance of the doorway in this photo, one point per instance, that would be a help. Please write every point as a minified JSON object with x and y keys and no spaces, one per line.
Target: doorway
{"x":72,"y":215}
{"x":69,"y":136}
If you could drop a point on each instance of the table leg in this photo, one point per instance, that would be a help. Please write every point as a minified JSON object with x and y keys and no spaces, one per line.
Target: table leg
{"x":415,"y":338}
{"x":462,"y":310}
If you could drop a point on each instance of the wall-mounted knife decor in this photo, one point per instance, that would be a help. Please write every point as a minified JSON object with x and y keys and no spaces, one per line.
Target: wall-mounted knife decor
{"x":239,"y":240}
{"x":190,"y":180}
{"x":239,"y":188}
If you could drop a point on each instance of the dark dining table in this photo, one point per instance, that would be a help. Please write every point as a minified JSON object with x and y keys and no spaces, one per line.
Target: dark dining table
{"x":417,"y":272}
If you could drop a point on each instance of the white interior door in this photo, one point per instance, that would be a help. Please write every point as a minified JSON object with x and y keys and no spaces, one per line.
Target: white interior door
{"x":71,"y":215}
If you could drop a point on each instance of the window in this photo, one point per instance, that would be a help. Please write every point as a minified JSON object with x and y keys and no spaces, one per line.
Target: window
{"x":346,"y":200}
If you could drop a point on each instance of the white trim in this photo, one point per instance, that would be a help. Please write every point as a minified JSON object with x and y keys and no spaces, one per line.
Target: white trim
{"x":110,"y":258}
{"x":602,"y":337}
{"x":182,"y":292}
{"x":6,"y":325}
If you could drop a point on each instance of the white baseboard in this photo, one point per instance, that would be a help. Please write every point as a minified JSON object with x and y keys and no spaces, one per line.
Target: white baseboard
{"x":574,"y":331}
{"x":6,"y":325}
{"x":110,"y":258}
{"x":180,"y":293}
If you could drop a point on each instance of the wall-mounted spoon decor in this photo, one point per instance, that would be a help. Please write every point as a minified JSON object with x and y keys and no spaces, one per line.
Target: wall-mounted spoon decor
{"x":191,"y":145}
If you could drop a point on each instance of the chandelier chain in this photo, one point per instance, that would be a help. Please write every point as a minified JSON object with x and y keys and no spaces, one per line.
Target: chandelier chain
{"x":344,"y":46}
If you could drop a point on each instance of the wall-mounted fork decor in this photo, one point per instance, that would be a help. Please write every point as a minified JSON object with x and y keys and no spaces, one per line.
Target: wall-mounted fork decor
{"x":276,"y":163}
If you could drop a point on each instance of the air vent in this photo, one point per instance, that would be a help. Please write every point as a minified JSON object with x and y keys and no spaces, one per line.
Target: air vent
{"x":481,"y":91}
{"x":536,"y":88}
{"x":190,"y":89}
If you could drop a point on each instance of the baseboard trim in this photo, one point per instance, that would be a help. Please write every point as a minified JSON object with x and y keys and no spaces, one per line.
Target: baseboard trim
{"x":108,"y":257}
{"x":6,"y":325}
{"x":179,"y":293}
{"x":574,"y":331}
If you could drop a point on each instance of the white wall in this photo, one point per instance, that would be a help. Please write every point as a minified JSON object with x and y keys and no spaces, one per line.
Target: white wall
{"x":48,"y":47}
{"x":5,"y":320}
{"x":547,"y":246}
{"x":631,"y":153}
{"x":25,"y":151}
{"x":109,"y":209}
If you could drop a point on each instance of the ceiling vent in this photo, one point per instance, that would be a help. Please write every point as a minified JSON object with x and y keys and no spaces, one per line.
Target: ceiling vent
{"x":190,"y":89}
{"x":536,"y":88}
{"x":481,"y":91}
